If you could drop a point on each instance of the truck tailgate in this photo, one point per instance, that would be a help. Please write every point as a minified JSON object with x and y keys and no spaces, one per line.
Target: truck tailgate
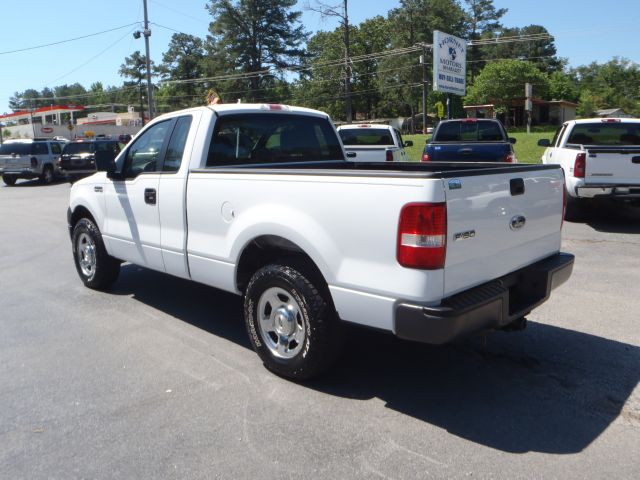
{"x":614,"y":165}
{"x":498,"y":223}
{"x":470,"y":152}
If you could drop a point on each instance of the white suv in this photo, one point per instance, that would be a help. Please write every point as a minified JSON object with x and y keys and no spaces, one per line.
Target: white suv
{"x":29,"y":158}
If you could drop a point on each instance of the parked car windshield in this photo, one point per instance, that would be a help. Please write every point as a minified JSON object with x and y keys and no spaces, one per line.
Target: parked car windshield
{"x":17,"y":148}
{"x":272,"y":138}
{"x":602,"y":133}
{"x":75,"y":148}
{"x":469,"y":131}
{"x":366,"y":136}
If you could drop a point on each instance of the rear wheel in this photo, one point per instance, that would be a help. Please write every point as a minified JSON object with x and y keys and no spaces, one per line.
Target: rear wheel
{"x":47,"y":175}
{"x":291,"y":325}
{"x":9,"y":180}
{"x":97,"y":269}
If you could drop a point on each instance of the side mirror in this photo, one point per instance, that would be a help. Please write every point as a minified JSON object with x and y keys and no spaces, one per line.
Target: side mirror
{"x":352,"y":154}
{"x":512,"y":140}
{"x":544,"y":142}
{"x":408,"y":143}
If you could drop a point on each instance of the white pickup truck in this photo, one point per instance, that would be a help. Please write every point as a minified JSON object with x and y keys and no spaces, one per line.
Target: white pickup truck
{"x":259,"y":200}
{"x":600,"y":159}
{"x":369,"y":142}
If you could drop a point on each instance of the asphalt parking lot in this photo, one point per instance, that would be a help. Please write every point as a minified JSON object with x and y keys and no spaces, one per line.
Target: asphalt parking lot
{"x":156,"y":378}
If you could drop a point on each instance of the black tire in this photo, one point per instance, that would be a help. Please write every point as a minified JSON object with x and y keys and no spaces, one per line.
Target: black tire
{"x":9,"y":180}
{"x":47,"y":176}
{"x":97,"y":269}
{"x":322,"y":337}
{"x":575,"y":209}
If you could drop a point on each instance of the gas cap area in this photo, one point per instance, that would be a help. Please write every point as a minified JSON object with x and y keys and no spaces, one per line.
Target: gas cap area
{"x":228,"y":213}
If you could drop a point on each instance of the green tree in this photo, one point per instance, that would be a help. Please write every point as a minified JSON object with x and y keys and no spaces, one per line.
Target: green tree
{"x":400,"y":76}
{"x":98,"y":96}
{"x":322,"y":79}
{"x":134,"y":70}
{"x":503,"y":81}
{"x":253,"y":37}
{"x":542,"y":52}
{"x":563,"y":86}
{"x":482,"y":19}
{"x":181,"y":64}
{"x":614,"y":84}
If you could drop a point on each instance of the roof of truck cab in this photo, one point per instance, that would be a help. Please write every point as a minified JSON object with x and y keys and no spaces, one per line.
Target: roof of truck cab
{"x":227,"y":108}
{"x":605,"y":120}
{"x":352,"y":126}
{"x":262,"y":108}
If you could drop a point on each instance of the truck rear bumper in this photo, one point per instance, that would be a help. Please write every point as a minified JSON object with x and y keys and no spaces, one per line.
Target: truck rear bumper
{"x":485,"y":307}
{"x":609,"y":191}
{"x":22,"y":172}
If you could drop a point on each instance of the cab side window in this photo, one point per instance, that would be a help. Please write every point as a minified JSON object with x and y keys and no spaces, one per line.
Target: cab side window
{"x":55,"y":148}
{"x":175,"y":149}
{"x":144,"y":154}
{"x":40,"y":149}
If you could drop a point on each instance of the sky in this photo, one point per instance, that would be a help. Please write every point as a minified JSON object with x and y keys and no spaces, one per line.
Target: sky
{"x":584,"y":31}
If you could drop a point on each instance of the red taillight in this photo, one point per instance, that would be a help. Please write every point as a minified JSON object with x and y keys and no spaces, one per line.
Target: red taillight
{"x":422,"y":236}
{"x":510,"y":157}
{"x":470,"y":120}
{"x":389,"y":156}
{"x":34,"y":162}
{"x":425,"y":157}
{"x":579,"y":165}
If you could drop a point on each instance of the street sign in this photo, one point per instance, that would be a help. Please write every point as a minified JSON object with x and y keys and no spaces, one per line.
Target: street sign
{"x":449,"y":63}
{"x":440,"y":107}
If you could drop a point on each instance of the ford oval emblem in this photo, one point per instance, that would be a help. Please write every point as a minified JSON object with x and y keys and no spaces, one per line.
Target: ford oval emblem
{"x":517,"y":222}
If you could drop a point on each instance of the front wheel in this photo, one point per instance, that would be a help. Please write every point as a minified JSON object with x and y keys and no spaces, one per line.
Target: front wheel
{"x":97,"y":269}
{"x":9,"y":180}
{"x":47,"y":175}
{"x":291,"y":325}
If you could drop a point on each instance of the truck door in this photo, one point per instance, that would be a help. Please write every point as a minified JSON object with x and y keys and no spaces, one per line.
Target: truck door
{"x":132,"y":228}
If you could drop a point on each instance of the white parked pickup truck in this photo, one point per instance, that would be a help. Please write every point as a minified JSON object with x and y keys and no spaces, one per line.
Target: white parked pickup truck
{"x":259,"y":200}
{"x":368,"y":142}
{"x":600,"y":159}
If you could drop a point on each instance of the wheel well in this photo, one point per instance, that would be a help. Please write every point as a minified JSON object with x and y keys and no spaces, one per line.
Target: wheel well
{"x":270,"y":249}
{"x":81,"y":212}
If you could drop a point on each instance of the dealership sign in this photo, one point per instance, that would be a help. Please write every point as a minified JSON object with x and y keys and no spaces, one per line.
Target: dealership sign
{"x":449,"y":63}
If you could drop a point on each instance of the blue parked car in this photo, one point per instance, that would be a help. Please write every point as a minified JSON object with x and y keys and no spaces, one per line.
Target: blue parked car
{"x":470,"y":140}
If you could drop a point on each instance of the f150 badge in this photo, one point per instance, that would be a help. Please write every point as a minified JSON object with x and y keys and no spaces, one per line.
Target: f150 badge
{"x":464,"y":235}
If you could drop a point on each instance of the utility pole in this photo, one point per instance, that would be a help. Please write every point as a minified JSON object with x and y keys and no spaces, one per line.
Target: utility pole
{"x":423,"y":61}
{"x":147,"y":34}
{"x":347,"y":64}
{"x":528,"y":106}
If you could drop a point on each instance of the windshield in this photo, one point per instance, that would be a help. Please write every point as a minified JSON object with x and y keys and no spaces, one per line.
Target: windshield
{"x":605,"y":134}
{"x":272,"y":138}
{"x":75,"y":148}
{"x":469,"y":131}
{"x":366,"y":136}
{"x":17,"y":148}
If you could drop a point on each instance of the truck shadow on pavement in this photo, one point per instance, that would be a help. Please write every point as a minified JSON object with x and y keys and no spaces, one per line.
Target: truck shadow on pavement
{"x":546,"y":389}
{"x":610,"y":217}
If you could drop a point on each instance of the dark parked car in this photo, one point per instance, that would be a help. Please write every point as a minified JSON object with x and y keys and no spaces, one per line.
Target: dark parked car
{"x":80,"y":158}
{"x":470,"y":140}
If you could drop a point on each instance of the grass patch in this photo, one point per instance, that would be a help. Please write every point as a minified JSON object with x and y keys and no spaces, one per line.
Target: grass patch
{"x":526,"y":147}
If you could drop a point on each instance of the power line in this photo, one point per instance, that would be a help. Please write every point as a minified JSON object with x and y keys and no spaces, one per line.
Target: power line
{"x":91,"y":59}
{"x":66,"y":41}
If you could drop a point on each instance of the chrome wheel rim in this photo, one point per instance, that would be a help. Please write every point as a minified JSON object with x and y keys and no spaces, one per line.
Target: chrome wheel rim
{"x":48,"y":175}
{"x":86,"y":252}
{"x":280,"y":322}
